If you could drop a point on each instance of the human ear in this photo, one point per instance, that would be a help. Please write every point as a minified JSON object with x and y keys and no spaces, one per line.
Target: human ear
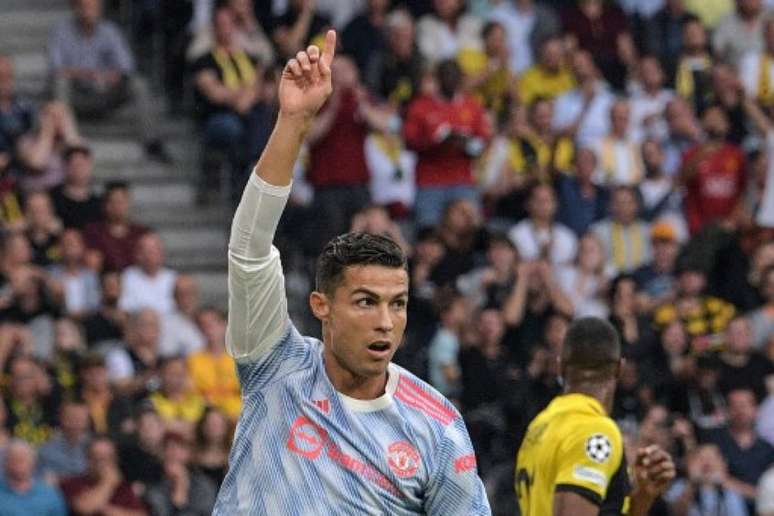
{"x":320,"y":305}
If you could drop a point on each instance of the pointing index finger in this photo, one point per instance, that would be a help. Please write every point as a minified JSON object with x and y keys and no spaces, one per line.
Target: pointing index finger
{"x":330,"y":47}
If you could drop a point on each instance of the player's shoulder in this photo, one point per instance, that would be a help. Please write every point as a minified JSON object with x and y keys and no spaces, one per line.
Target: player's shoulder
{"x":414,"y":393}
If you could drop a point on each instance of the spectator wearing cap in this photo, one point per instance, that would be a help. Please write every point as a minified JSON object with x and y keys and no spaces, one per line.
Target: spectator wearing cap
{"x":21,"y":494}
{"x":213,"y":372}
{"x":705,"y":317}
{"x":448,"y":31}
{"x":748,"y":455}
{"x":115,"y":236}
{"x":109,"y":413}
{"x":447,"y":130}
{"x":183,"y":489}
{"x":64,"y":454}
{"x":102,"y":488}
{"x":148,"y":283}
{"x":581,"y":201}
{"x":527,"y":24}
{"x":656,"y":279}
{"x":713,"y":173}
{"x":550,"y":77}
{"x":540,"y":237}
{"x":741,"y":366}
{"x":623,"y":234}
{"x":93,"y":70}
{"x":75,"y":202}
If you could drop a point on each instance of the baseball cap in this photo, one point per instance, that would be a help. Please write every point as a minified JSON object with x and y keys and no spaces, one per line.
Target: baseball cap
{"x":663,"y":231}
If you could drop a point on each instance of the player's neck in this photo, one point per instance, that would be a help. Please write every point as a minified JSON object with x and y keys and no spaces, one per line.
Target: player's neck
{"x":352,"y":385}
{"x":604,"y":394}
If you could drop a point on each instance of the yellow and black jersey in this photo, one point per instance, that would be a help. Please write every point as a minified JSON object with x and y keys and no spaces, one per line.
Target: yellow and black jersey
{"x":572,"y":445}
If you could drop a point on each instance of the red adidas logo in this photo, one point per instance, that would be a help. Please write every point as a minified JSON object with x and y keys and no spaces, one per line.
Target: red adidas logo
{"x":323,"y":405}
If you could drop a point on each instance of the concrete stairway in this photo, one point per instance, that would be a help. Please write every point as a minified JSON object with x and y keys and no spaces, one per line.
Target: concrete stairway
{"x":195,"y":238}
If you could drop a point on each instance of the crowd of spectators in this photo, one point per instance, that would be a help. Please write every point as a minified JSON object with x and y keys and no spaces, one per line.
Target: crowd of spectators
{"x":538,"y":161}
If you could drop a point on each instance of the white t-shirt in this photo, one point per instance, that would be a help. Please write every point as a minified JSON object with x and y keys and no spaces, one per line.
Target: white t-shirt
{"x":138,"y":290}
{"x":528,"y":240}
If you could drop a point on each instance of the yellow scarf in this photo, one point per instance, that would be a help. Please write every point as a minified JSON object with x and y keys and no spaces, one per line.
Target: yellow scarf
{"x":619,"y":236}
{"x":608,"y":161}
{"x":684,"y":82}
{"x":390,"y":145}
{"x":236,"y":69}
{"x":765,"y":93}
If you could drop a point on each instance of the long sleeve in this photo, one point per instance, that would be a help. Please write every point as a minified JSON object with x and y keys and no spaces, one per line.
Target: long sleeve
{"x":257,"y":303}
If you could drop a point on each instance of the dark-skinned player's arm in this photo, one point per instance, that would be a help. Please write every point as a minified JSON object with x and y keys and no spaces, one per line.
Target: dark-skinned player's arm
{"x":257,"y":302}
{"x":653,"y":471}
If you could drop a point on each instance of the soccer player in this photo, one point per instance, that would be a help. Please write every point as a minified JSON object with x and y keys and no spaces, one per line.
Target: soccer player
{"x":330,"y":427}
{"x":571,"y":461}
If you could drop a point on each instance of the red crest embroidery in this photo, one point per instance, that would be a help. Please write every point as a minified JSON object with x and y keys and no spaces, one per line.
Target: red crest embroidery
{"x":403,"y":459}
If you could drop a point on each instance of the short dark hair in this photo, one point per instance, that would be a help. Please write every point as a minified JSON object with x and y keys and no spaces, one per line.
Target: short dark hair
{"x":352,"y":249}
{"x":591,"y":349}
{"x":76,"y":149}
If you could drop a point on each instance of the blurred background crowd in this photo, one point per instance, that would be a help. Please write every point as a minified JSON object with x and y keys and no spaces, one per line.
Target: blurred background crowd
{"x":538,"y":162}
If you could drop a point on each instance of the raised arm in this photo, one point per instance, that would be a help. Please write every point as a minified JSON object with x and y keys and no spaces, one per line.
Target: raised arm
{"x":257,"y":303}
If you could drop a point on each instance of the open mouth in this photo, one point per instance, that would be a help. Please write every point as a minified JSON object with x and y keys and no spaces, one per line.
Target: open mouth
{"x":379,"y":347}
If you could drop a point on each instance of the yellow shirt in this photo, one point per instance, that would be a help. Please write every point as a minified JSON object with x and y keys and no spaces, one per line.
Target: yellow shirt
{"x":537,"y":82}
{"x":525,"y":153}
{"x":494,"y":92}
{"x":572,"y":445}
{"x":215,"y":378}
{"x":190,"y":409}
{"x":710,"y":12}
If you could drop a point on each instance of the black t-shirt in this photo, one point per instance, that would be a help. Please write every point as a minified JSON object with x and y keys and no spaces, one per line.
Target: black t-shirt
{"x":751,"y":375}
{"x":746,"y":465}
{"x":138,"y":465}
{"x":100,"y":328}
{"x":362,"y":39}
{"x":204,"y":107}
{"x":45,"y":251}
{"x":74,"y":213}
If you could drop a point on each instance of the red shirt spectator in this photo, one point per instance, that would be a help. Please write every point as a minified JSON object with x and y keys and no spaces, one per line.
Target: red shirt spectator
{"x":115,"y":237}
{"x":429,"y":122}
{"x":714,"y":183}
{"x":337,"y":158}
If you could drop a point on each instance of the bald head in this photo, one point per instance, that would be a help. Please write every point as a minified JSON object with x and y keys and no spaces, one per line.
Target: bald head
{"x":591,"y":351}
{"x":19,"y":461}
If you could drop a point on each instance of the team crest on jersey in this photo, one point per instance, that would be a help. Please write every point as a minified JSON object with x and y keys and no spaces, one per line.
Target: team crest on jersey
{"x":403,"y":459}
{"x":599,"y":448}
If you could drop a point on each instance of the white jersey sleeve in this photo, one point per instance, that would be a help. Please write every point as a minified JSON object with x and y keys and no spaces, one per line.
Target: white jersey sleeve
{"x":455,"y":487}
{"x":257,"y":315}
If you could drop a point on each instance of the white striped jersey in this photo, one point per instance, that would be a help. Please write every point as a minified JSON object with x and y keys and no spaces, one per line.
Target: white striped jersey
{"x":303,"y":448}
